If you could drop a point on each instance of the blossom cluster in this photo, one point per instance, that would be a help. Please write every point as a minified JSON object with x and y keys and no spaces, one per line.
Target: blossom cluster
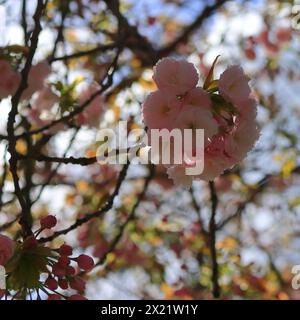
{"x":271,"y":40}
{"x":58,"y":268}
{"x":43,"y":98}
{"x":224,"y":108}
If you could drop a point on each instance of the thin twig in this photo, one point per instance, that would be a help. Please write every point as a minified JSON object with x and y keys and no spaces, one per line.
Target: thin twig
{"x":206,"y":13}
{"x":130,"y":217}
{"x":98,"y":49}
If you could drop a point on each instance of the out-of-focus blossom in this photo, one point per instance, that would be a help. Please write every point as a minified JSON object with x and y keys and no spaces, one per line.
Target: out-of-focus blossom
{"x":7,"y":247}
{"x":250,"y":53}
{"x":36,"y":78}
{"x":175,"y":76}
{"x":44,"y":99}
{"x":92,"y":113}
{"x":284,"y":34}
{"x":227,"y":117}
{"x":9,"y":79}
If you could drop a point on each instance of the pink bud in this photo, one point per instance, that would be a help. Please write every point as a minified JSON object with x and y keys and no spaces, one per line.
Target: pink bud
{"x":48,"y":222}
{"x":63,"y":261}
{"x":65,"y":250}
{"x":77,"y":284}
{"x":51,"y":283}
{"x":70,"y":271}
{"x":58,"y":270}
{"x":85,"y":262}
{"x":63,"y":284}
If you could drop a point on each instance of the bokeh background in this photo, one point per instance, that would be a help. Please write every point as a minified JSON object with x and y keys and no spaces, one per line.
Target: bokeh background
{"x":161,"y":251}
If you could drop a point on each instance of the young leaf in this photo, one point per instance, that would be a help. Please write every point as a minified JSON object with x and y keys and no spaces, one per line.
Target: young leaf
{"x":210,"y":75}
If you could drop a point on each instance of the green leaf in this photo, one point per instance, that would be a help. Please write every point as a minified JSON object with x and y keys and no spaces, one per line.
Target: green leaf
{"x":209,"y":78}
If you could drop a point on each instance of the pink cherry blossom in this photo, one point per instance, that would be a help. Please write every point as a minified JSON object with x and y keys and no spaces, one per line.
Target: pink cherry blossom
{"x":271,"y":47}
{"x":159,"y":111}
{"x":229,"y":134}
{"x":92,"y":113}
{"x":214,"y":166}
{"x":39,"y":120}
{"x":197,"y":118}
{"x":250,"y":53}
{"x":9,"y":79}
{"x":216,"y":160}
{"x":242,"y":139}
{"x":36,"y":77}
{"x":176,"y":77}
{"x":197,"y":97}
{"x":178,"y":175}
{"x":7,"y":247}
{"x":233,"y":84}
{"x":44,"y":99}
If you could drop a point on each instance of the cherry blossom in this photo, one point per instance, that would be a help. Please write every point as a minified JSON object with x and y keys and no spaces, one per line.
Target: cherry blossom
{"x":227,"y":114}
{"x":175,"y":76}
{"x":54,"y":264}
{"x":94,"y":110}
{"x":160,"y":112}
{"x":7,"y":247}
{"x":233,"y":84}
{"x":44,"y":99}
{"x":9,"y":79}
{"x":36,"y":78}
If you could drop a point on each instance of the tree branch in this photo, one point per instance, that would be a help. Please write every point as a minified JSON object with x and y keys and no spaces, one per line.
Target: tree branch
{"x":24,"y":221}
{"x":130,"y":217}
{"x":212,"y":234}
{"x":206,"y":13}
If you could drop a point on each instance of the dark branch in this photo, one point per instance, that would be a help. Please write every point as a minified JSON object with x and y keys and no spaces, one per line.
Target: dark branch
{"x":206,"y":13}
{"x":130,"y":217}
{"x":212,"y":235}
{"x":24,"y":221}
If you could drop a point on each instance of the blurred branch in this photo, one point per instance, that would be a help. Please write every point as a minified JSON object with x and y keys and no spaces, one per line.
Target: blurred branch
{"x":187,"y":32}
{"x":24,"y":22}
{"x":273,"y":267}
{"x":98,"y":49}
{"x":241,"y":207}
{"x":10,"y":223}
{"x":4,"y":175}
{"x":130,"y":217}
{"x":197,"y":208}
{"x":53,"y":172}
{"x":107,"y":206}
{"x":64,"y":6}
{"x":212,"y":236}
{"x":83,"y":161}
